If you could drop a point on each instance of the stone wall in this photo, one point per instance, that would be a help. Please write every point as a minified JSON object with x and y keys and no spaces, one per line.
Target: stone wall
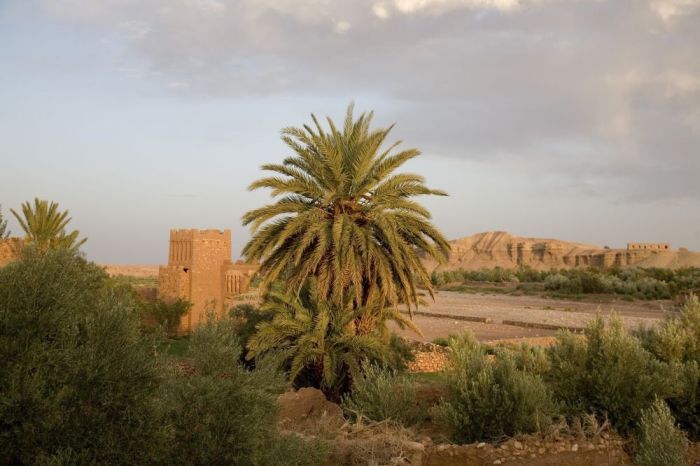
{"x":429,"y":357}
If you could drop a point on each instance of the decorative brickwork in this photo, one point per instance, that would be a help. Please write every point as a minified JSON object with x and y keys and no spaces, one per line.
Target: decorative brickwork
{"x":200,"y":270}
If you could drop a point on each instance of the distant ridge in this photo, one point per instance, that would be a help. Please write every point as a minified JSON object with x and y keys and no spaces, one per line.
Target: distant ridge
{"x":502,"y":249}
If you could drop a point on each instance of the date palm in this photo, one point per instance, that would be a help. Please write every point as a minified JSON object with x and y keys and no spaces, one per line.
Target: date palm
{"x":45,"y":226}
{"x":344,"y":216}
{"x":318,"y":342}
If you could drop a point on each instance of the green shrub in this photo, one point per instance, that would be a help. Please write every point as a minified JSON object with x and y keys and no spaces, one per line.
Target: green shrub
{"x":491,"y":398}
{"x":440,"y":341}
{"x":167,"y":314}
{"x":246,"y":318}
{"x":607,"y":372}
{"x":676,"y":341}
{"x":79,"y":384}
{"x":400,"y":354}
{"x":531,"y":359}
{"x":225,"y":414}
{"x":659,"y":441}
{"x":382,"y":393}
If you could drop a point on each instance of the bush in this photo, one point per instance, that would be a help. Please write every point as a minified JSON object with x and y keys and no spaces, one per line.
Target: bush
{"x":440,"y":341}
{"x":659,"y":441}
{"x":676,"y":341}
{"x":400,"y":353}
{"x":167,"y":314}
{"x":607,"y":372}
{"x":556,"y":282}
{"x":79,"y":384}
{"x":245,"y":318}
{"x":381,"y":393}
{"x":224,"y":414}
{"x":489,"y":399}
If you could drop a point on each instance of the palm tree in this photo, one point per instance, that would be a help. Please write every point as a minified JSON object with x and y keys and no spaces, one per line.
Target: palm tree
{"x":45,"y":226}
{"x":345,"y":217}
{"x":4,"y":232}
{"x":318,"y":341}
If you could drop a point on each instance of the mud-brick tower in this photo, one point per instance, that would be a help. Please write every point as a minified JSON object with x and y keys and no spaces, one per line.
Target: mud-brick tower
{"x":196,"y":268}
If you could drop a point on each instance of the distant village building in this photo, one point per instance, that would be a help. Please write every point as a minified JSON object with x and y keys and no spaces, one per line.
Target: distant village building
{"x":10,"y":249}
{"x":648,"y":246}
{"x":200,"y":271}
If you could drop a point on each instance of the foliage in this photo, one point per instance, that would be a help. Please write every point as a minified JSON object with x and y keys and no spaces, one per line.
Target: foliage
{"x":488,"y":398}
{"x":441,"y":341}
{"x":659,"y":441}
{"x":225,"y":414}
{"x":167,"y":314}
{"x":400,"y":353}
{"x":45,"y":226}
{"x":79,"y":383}
{"x":317,"y":340}
{"x":608,"y":371}
{"x":647,"y":283}
{"x":4,"y":232}
{"x":676,"y":341}
{"x":381,"y":394}
{"x":531,"y":359}
{"x":345,"y":218}
{"x":247,"y":317}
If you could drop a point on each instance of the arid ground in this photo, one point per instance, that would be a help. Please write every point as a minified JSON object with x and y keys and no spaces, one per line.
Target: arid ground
{"x":514,"y":317}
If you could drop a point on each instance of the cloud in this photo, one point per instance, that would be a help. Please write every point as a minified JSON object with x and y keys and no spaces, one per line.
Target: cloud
{"x":604,"y":93}
{"x":668,"y":10}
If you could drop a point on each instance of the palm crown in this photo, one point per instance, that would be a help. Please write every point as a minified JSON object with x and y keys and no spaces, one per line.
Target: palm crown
{"x":45,"y":226}
{"x":345,"y":217}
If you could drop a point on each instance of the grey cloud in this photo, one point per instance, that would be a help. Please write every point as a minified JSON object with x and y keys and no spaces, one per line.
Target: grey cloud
{"x":606,"y":91}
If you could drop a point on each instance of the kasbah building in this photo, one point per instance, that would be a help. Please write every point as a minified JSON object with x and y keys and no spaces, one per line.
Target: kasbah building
{"x":200,"y":270}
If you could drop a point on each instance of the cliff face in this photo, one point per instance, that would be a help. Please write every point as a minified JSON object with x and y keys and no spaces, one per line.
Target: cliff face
{"x":502,"y":249}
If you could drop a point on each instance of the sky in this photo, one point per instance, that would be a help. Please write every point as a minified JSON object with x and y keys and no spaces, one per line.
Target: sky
{"x":577,"y":120}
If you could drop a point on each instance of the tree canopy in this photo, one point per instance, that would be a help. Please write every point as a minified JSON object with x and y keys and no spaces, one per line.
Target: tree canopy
{"x":45,"y":226}
{"x":344,"y":216}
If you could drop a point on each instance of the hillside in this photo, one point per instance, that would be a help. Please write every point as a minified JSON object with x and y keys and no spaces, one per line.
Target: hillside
{"x":502,"y":249}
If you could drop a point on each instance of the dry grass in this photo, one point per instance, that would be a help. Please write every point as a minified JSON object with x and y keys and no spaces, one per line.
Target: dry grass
{"x":364,"y":442}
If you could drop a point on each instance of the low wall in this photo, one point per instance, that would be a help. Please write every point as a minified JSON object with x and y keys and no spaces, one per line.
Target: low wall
{"x":428,"y":357}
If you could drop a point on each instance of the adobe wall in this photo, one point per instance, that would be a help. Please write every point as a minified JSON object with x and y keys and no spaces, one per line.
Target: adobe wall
{"x":210,"y":249}
{"x":200,"y":270}
{"x":10,"y":250}
{"x":174,"y":283}
{"x":649,"y":246}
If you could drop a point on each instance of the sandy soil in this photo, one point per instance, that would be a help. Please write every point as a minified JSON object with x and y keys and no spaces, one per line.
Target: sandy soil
{"x":433,"y":327}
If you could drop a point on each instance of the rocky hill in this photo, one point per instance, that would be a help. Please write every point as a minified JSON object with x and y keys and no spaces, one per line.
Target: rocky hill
{"x":498,"y":248}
